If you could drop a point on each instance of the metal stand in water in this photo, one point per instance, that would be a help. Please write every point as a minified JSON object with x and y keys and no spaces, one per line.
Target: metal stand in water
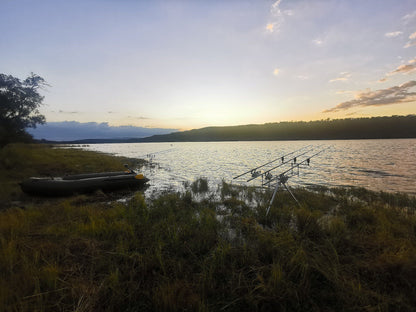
{"x":291,"y":167}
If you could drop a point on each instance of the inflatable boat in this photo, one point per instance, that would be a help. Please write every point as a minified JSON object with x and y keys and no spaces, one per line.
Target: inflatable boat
{"x":83,"y":183}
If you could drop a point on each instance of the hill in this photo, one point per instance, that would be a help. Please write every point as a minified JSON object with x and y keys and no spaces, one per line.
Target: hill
{"x":392,"y":127}
{"x":337,"y":129}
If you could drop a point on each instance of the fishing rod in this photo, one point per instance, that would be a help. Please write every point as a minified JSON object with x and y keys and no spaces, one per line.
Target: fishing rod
{"x":272,"y":161}
{"x":282,"y":179}
{"x":283,"y":163}
{"x":297,"y":165}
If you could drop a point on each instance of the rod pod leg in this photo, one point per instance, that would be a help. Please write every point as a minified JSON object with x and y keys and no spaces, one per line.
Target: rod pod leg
{"x":271,"y":200}
{"x":293,"y":196}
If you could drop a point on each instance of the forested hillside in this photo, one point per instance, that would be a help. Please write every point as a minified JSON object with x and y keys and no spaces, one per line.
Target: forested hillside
{"x":351,"y":128}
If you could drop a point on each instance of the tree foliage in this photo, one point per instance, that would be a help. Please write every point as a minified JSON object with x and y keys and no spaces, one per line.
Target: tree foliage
{"x":338,"y":129}
{"x":19,"y":107}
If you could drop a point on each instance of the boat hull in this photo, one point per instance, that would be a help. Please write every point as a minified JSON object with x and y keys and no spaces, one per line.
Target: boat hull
{"x":84,"y":183}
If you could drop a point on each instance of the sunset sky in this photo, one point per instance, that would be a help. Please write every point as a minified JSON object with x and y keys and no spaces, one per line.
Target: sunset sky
{"x":190,"y":64}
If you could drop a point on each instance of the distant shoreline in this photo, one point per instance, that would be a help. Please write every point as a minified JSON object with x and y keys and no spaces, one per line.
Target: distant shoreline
{"x":109,"y":141}
{"x":393,"y":127}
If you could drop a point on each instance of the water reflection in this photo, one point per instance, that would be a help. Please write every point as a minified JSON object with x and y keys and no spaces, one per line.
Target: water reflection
{"x":387,"y":165}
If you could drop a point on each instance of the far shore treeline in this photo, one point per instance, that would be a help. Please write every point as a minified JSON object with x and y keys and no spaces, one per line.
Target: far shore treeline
{"x":392,"y":127}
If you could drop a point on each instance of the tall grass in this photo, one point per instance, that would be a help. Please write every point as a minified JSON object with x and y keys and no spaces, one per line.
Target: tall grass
{"x":21,"y":161}
{"x":340,"y":250}
{"x":176,"y":253}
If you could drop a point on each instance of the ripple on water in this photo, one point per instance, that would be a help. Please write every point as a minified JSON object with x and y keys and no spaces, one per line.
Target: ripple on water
{"x":386,"y":165}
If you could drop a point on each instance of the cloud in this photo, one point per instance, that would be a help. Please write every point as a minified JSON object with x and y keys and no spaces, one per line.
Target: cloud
{"x":409,"y":17}
{"x":390,"y":96}
{"x":138,"y":117}
{"x":73,"y":130}
{"x":412,"y":41}
{"x":318,"y":42}
{"x":288,"y":12}
{"x":344,"y":76}
{"x":277,"y":17}
{"x":344,"y":92}
{"x":393,"y":34}
{"x":351,"y":114}
{"x":339,"y":79}
{"x":270,"y":27}
{"x":410,"y":44}
{"x":67,"y":112}
{"x":402,"y":69}
{"x":275,"y":10}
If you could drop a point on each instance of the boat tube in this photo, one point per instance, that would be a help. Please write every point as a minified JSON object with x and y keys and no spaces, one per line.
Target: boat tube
{"x":83,"y":183}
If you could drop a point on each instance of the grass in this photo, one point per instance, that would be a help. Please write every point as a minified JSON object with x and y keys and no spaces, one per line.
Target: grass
{"x":341,"y":250}
{"x":20,"y":161}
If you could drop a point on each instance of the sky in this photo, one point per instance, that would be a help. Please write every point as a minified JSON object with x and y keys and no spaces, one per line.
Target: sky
{"x":183,"y":64}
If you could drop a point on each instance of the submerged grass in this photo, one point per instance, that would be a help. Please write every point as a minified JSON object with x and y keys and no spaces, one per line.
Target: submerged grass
{"x":340,"y":250}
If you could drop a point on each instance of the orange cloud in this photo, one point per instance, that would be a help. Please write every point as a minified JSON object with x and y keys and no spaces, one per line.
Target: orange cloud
{"x":390,"y":96}
{"x":344,"y":76}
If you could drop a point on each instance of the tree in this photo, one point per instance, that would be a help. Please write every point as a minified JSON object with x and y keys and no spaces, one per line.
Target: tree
{"x":19,"y":107}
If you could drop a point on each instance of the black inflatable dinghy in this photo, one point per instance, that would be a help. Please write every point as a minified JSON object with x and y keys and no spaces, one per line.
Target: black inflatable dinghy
{"x":83,"y":183}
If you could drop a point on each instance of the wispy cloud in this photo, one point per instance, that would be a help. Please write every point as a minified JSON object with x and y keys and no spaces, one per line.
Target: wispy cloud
{"x":402,"y":69}
{"x":67,"y":112}
{"x":344,"y":76}
{"x":277,"y":17}
{"x":275,"y":9}
{"x":410,"y":44}
{"x":412,"y":41}
{"x":390,"y":96}
{"x":302,"y":77}
{"x":138,"y":117}
{"x":409,"y":17}
{"x":393,"y":34}
{"x":318,"y":42}
{"x":344,"y":92}
{"x":270,"y":27}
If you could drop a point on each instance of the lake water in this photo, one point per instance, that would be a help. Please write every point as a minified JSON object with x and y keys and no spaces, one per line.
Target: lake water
{"x":380,"y":165}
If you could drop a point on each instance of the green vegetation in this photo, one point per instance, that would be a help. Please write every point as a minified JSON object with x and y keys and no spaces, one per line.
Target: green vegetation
{"x":19,"y":107}
{"x":351,"y":128}
{"x":200,"y":186}
{"x":342,"y":250}
{"x":21,"y":161}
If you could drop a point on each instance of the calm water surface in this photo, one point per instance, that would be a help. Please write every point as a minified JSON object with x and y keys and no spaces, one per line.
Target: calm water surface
{"x":380,"y":165}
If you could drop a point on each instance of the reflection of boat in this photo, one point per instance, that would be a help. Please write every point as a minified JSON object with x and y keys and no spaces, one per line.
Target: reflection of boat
{"x":83,"y":183}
